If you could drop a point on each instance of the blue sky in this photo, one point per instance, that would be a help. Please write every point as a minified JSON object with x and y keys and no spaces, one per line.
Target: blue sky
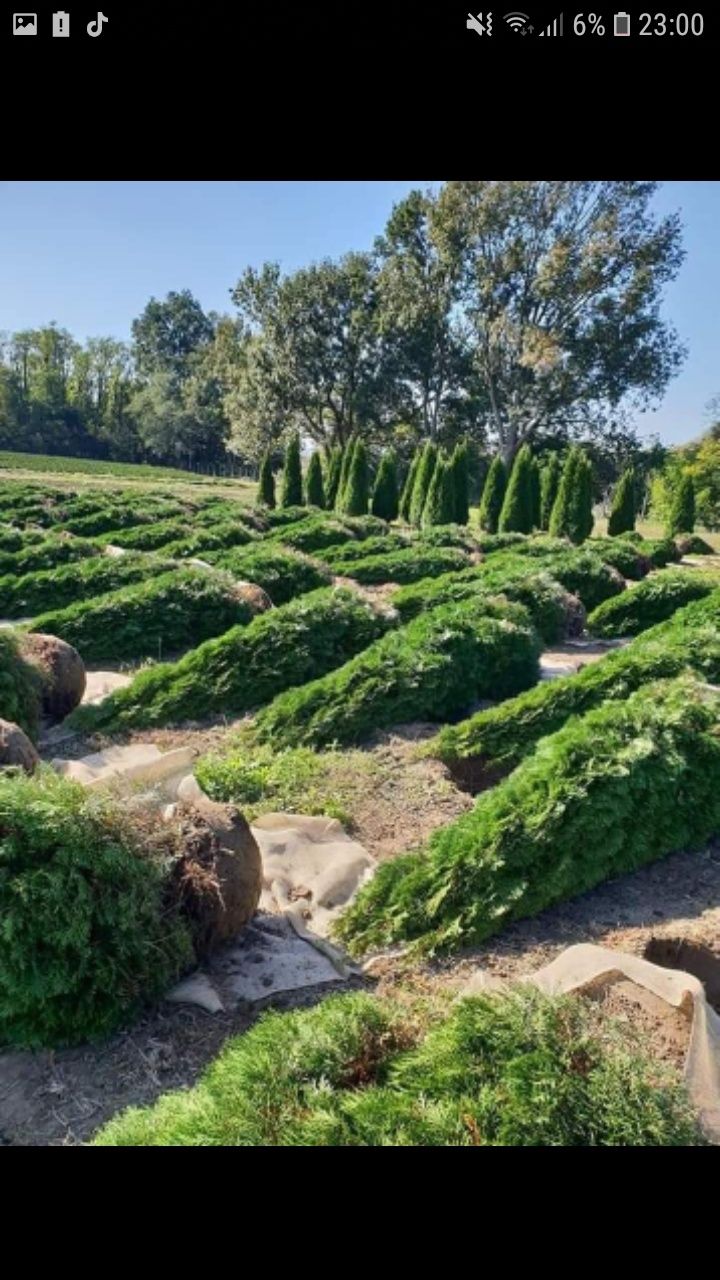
{"x":90,"y":255}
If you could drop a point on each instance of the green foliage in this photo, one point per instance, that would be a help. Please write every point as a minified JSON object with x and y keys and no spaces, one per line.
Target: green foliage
{"x":572,"y":512}
{"x":385,"y":501}
{"x":356,"y":495}
{"x":334,"y":471}
{"x":245,"y":667}
{"x":314,"y":488}
{"x":10,"y":460}
{"x":20,"y":685}
{"x":622,"y":511}
{"x":517,"y":511}
{"x":549,"y":485}
{"x":280,"y":571}
{"x":86,"y":935}
{"x":45,"y":555}
{"x":497,"y":740}
{"x":586,"y":576}
{"x":493,"y":496}
{"x":461,"y":483}
{"x":621,"y":787}
{"x":516,"y":1069}
{"x":55,"y":588}
{"x":682,"y":512}
{"x":409,"y":486}
{"x":148,"y":537}
{"x":423,"y":478}
{"x":258,"y":779}
{"x":351,"y":551}
{"x":650,"y":602}
{"x":345,"y":465}
{"x":628,"y":558}
{"x":691,"y":544}
{"x":439,"y":506}
{"x":266,"y":485}
{"x":554,"y":613}
{"x":401,"y":566}
{"x":151,"y":619}
{"x":291,"y":494}
{"x":218,"y":537}
{"x":431,"y":669}
{"x":277,"y":519}
{"x":536,"y":494}
{"x":314,"y":533}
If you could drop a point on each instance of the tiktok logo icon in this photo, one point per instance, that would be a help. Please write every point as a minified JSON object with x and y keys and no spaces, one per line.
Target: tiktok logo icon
{"x":95,"y":28}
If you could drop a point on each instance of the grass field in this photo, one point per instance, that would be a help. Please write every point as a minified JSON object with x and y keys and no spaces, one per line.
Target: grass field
{"x":87,"y":473}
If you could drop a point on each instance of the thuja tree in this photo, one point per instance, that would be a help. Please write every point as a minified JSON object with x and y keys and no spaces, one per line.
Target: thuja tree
{"x":408,"y":487}
{"x":291,"y":493}
{"x":266,"y":485}
{"x":440,"y":502}
{"x":549,"y":485}
{"x":682,"y":512}
{"x":572,"y":512}
{"x":460,"y":474}
{"x":622,"y":511}
{"x":357,"y":490}
{"x":385,"y":500}
{"x":314,"y":487}
{"x":423,"y":479}
{"x":517,"y":509}
{"x":332,"y":483}
{"x":493,"y":496}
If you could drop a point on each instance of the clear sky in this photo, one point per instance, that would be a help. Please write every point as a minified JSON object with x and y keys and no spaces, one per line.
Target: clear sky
{"x":90,"y":255}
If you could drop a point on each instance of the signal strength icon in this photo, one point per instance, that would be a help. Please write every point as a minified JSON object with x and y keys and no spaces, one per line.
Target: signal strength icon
{"x":554,"y":28}
{"x":518,"y":21}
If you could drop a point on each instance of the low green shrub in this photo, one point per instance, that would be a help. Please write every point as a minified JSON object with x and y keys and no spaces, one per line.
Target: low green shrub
{"x":150,"y":619}
{"x":55,"y":588}
{"x":431,"y":669}
{"x":489,"y":543}
{"x":281,"y":516}
{"x":651,"y":601}
{"x":586,"y":576}
{"x":500,"y":1069}
{"x":554,"y":612}
{"x":659,"y":551}
{"x":314,"y":533}
{"x":147,"y":537}
{"x":86,"y":936}
{"x":12,"y":539}
{"x":47,"y":554}
{"x":541,"y":545}
{"x":115,"y":516}
{"x":245,"y":667}
{"x":691,"y":544}
{"x":494,"y":741}
{"x":279,"y":570}
{"x":401,"y":566}
{"x":623,"y":786}
{"x":20,"y":685}
{"x":219,"y":537}
{"x":448,"y":535}
{"x":352,"y":551}
{"x":624,"y":556}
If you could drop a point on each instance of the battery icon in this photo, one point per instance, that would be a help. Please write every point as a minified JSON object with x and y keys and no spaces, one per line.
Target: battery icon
{"x":622,"y":24}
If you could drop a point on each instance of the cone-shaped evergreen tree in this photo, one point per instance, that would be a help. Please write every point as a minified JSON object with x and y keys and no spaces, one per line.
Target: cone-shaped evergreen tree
{"x":407,"y":493}
{"x":291,"y":494}
{"x":461,"y":483}
{"x":516,"y":514}
{"x":549,"y":484}
{"x":332,"y":482}
{"x":572,"y":515}
{"x":622,"y":511}
{"x":345,"y":472}
{"x":535,"y":493}
{"x":422,"y":482}
{"x":357,"y":491}
{"x":266,"y":485}
{"x":385,"y":492}
{"x":682,"y":511}
{"x":314,"y":488}
{"x":440,"y":501}
{"x":493,"y":495}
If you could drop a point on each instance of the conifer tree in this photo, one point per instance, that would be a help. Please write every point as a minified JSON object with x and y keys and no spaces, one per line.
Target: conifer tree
{"x":572,"y":515}
{"x":266,"y":484}
{"x":622,"y":511}
{"x":407,"y":493}
{"x":357,"y":491}
{"x":461,"y":483}
{"x":314,"y":488}
{"x":682,"y":511}
{"x":549,"y":484}
{"x":440,"y":502}
{"x":535,"y":493}
{"x":516,"y":514}
{"x":422,"y":482}
{"x":493,"y":495}
{"x":384,"y":501}
{"x":291,"y":492}
{"x":332,"y":482}
{"x":345,"y":472}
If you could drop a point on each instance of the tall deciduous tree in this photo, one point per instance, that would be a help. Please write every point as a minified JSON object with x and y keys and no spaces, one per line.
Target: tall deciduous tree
{"x":561,"y":289}
{"x":168,"y":332}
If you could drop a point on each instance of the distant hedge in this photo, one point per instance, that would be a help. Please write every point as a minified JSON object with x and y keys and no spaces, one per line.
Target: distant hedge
{"x":48,"y":554}
{"x":624,"y":785}
{"x":431,"y":669}
{"x":245,"y":667}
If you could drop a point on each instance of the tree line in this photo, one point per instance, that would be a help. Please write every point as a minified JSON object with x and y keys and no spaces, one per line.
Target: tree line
{"x":504,"y":313}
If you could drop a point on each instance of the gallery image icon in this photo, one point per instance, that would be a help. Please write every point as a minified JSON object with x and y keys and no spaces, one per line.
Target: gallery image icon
{"x":24,"y":24}
{"x":95,"y":28}
{"x":61,"y":24}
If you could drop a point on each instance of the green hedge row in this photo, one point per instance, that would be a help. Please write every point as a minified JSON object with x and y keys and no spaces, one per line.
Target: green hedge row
{"x":151,"y":619}
{"x":496,"y":740}
{"x":12,"y":539}
{"x":47,"y":554}
{"x":431,"y":669}
{"x":624,"y":556}
{"x":54,"y":588}
{"x":317,"y":532}
{"x":651,"y":601}
{"x":554,"y":612}
{"x":401,"y":566}
{"x":281,"y":572}
{"x":352,"y":551}
{"x":621,"y":787}
{"x":521,"y":1069}
{"x":245,"y":667}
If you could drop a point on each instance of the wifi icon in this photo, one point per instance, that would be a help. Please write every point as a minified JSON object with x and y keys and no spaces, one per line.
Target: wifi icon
{"x":516,"y":21}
